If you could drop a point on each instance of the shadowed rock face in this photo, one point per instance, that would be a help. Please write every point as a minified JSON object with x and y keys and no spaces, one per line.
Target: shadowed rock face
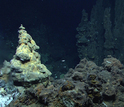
{"x":100,"y":32}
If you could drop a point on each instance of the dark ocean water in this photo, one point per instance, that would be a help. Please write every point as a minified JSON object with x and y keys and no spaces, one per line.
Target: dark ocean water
{"x":59,"y":17}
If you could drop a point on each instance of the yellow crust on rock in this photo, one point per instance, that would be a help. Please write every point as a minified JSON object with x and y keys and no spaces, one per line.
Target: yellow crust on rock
{"x":26,"y":61}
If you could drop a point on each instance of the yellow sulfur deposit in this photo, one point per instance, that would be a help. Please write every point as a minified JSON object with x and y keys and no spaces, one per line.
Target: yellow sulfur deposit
{"x":26,"y":65}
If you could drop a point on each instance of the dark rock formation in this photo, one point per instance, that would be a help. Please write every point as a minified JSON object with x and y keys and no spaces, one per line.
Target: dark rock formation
{"x":100,"y":33}
{"x":87,"y":85}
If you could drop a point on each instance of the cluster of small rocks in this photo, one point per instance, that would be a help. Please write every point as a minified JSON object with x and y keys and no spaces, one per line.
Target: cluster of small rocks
{"x":86,"y":85}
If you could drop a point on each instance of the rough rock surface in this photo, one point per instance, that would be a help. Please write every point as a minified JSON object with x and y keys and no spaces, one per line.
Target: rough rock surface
{"x":88,"y":85}
{"x":25,"y":67}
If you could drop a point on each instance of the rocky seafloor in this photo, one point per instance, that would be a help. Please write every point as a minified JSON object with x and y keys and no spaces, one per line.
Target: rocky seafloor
{"x":87,"y":85}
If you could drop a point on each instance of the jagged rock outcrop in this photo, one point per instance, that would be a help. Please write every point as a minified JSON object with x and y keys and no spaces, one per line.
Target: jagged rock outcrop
{"x":102,"y":33}
{"x":25,"y":67}
{"x":86,"y":85}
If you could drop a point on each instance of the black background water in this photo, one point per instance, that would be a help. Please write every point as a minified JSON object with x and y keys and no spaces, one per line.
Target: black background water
{"x":63,"y":16}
